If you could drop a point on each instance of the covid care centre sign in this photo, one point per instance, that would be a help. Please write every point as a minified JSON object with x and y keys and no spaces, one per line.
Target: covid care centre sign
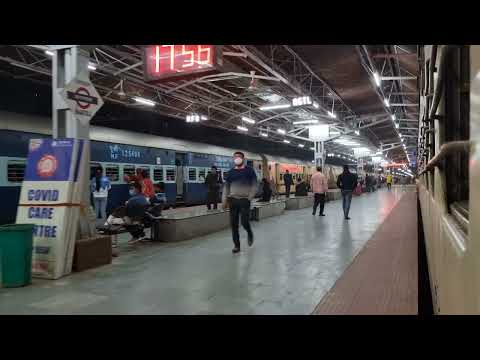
{"x":50,"y":199}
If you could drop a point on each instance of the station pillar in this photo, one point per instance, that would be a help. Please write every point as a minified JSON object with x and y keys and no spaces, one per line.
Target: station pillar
{"x":70,"y":62}
{"x":320,"y":154}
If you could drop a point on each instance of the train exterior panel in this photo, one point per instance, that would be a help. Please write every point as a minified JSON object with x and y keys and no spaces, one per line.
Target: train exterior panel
{"x":449,"y":195}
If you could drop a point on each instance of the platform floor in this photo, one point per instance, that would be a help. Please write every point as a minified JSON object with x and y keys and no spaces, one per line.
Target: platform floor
{"x":294,"y":262}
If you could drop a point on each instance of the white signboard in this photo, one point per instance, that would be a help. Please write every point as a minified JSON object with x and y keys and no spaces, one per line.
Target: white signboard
{"x":82,"y":98}
{"x":318,"y":132}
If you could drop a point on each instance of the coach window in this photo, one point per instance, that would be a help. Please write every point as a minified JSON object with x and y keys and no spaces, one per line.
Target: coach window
{"x":146,"y":168}
{"x":157,"y":174}
{"x":457,"y":128}
{"x":192,"y":174}
{"x":112,"y":172}
{"x":170,"y":174}
{"x":128,"y":170}
{"x":201,"y":174}
{"x":15,"y":171}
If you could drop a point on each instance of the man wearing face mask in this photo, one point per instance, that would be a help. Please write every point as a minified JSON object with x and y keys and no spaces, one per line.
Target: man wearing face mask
{"x":240,"y":188}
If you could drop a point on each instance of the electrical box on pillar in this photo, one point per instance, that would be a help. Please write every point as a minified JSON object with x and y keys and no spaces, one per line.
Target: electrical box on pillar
{"x":319,"y":133}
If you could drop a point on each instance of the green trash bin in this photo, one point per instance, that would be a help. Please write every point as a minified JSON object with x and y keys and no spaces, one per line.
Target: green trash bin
{"x":16,"y":244}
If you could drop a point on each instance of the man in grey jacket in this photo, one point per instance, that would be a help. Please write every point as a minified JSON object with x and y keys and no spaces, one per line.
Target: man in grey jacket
{"x":240,"y":188}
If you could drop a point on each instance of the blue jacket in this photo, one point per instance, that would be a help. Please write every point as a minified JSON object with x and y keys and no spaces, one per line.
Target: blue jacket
{"x":104,"y":187}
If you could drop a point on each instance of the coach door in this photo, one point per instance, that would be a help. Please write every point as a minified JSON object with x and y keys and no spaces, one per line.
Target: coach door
{"x":180,"y":159}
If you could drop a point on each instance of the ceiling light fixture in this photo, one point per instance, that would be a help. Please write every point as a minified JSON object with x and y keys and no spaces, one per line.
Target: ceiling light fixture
{"x":332,"y":114}
{"x":144,"y":101}
{"x":281,"y":131}
{"x":305,"y":122}
{"x":248,"y":120}
{"x":286,"y":141}
{"x":378,"y":81}
{"x":242,"y":128}
{"x":274,"y":107}
{"x":50,"y":53}
{"x":387,"y":103}
{"x":301,"y":145}
{"x":92,"y":66}
{"x":263,"y":134}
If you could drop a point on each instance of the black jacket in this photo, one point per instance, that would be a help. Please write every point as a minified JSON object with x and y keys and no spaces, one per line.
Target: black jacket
{"x":213,"y":182}
{"x":347,"y":181}
{"x":287,"y":179}
{"x":301,"y":189}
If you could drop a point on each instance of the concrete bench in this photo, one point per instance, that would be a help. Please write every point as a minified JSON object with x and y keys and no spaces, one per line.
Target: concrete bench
{"x":190,"y":223}
{"x":298,"y":202}
{"x":334,"y":194}
{"x":262,"y":210}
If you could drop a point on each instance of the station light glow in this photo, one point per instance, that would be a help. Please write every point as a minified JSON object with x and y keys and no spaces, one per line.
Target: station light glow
{"x":242,"y":128}
{"x":281,"y":131}
{"x":144,"y":101}
{"x":49,"y":53}
{"x":393,"y":117}
{"x":387,"y":103}
{"x":357,"y":132}
{"x":92,"y":66}
{"x":301,"y":145}
{"x":312,"y":148}
{"x":286,"y":141}
{"x":248,"y":120}
{"x":397,"y":125}
{"x":378,"y":81}
{"x":305,"y":122}
{"x":332,"y":115}
{"x":274,"y":107}
{"x":263,"y":134}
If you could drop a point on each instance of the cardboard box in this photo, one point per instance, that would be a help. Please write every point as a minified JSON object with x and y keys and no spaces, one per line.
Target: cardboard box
{"x":92,"y":252}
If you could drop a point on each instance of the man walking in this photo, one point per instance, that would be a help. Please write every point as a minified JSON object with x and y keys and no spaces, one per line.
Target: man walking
{"x":389,"y":181}
{"x":213,"y":182}
{"x":347,"y":182}
{"x":240,"y":188}
{"x":319,"y":186}
{"x":288,"y":181}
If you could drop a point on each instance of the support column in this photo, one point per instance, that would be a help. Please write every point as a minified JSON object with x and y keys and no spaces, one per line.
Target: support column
{"x":320,"y":154}
{"x":68,"y":62}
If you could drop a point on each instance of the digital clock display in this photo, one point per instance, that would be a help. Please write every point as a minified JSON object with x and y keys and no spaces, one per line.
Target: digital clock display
{"x":166,"y":61}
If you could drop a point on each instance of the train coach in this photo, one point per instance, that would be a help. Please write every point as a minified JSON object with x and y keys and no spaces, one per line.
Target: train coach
{"x":181,"y":165}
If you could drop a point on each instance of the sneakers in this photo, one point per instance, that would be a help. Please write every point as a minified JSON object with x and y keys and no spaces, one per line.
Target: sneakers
{"x":250,"y":239}
{"x":236,"y":250}
{"x":322,"y":215}
{"x":347,"y":218}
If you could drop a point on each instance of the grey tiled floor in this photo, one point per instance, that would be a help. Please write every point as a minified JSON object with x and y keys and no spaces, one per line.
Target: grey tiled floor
{"x":295,"y":260}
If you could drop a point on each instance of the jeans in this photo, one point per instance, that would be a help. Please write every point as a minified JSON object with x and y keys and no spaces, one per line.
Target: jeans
{"x":287,"y":190}
{"x":347,"y":199}
{"x":318,"y":199}
{"x":100,"y":204}
{"x":239,"y":208}
{"x":389,"y":186}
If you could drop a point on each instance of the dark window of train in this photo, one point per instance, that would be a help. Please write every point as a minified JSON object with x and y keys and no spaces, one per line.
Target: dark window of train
{"x":147,"y":169}
{"x":457,"y":128}
{"x":157,"y":174}
{"x":112,"y":172}
{"x":192,"y":174}
{"x":15,"y":171}
{"x":170,"y":174}
{"x":129,"y":170}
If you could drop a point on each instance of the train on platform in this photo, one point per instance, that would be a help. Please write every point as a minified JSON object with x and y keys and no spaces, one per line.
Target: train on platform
{"x":448,"y":180}
{"x":181,"y":165}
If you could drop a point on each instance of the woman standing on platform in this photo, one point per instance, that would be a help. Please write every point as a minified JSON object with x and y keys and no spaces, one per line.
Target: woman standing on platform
{"x":100,"y":186}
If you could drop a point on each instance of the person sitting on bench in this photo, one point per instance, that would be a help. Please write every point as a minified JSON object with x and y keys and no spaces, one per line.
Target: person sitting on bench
{"x":301,"y":188}
{"x":266,"y":191}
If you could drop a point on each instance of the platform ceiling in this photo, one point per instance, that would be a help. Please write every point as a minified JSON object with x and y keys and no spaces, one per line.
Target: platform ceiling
{"x":338,"y":77}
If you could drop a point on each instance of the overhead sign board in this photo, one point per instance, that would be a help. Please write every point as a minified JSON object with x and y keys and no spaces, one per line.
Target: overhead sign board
{"x":167,"y":61}
{"x":82,"y":98}
{"x":318,"y":132}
